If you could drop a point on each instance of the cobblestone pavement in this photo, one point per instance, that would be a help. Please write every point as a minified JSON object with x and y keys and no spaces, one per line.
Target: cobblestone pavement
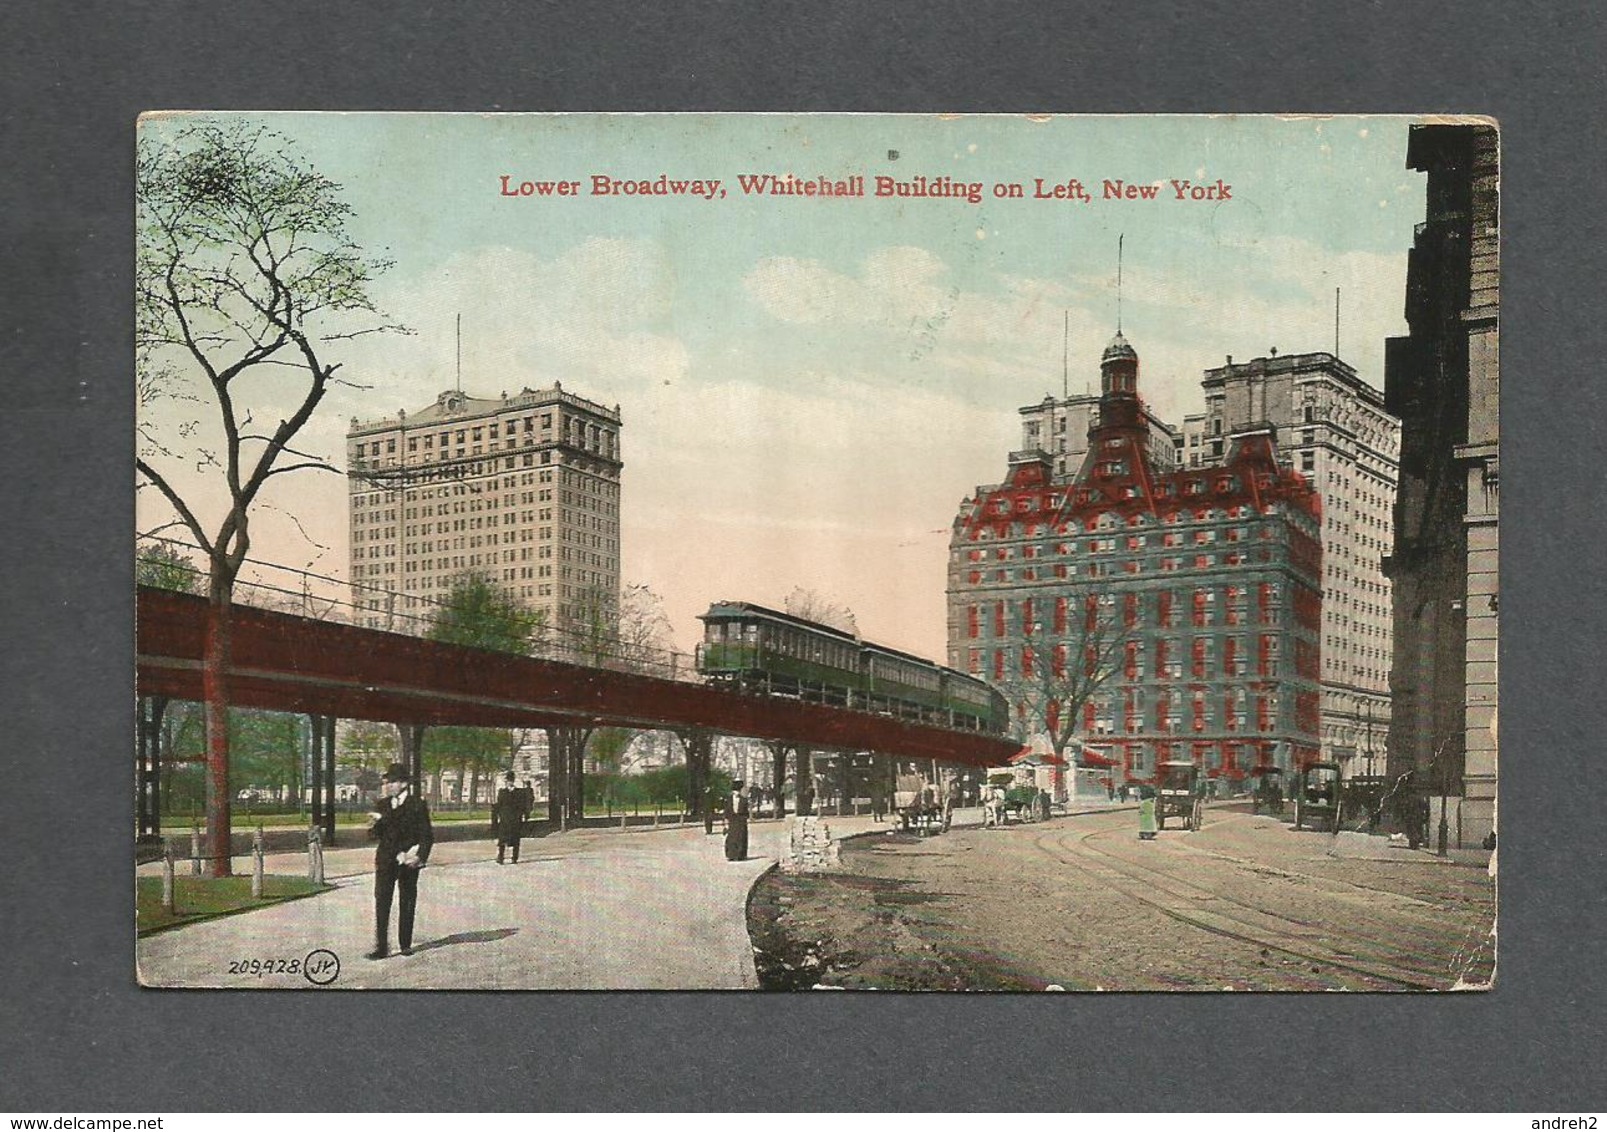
{"x":1245,"y":903}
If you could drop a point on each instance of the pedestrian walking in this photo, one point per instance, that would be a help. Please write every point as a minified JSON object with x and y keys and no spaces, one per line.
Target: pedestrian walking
{"x":992,"y":807}
{"x":736,"y":823}
{"x":401,"y":826}
{"x":951,"y":799}
{"x":711,"y":799}
{"x":1146,"y":813}
{"x":508,"y":816}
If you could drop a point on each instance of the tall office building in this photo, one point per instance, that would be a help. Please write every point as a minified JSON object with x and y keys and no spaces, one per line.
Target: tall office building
{"x":521,"y":488}
{"x":1443,"y":380}
{"x":1060,"y":429}
{"x":1200,"y":589}
{"x":1334,"y":429}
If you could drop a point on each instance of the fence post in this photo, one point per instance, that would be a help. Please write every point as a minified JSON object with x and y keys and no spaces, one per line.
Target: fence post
{"x":195,"y":852}
{"x":256,"y":864}
{"x":169,"y":903}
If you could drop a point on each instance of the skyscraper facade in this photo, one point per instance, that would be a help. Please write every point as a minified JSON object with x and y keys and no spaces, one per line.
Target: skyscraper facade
{"x":1196,"y":593}
{"x":1443,"y":380}
{"x":522,"y":489}
{"x":1333,"y":428}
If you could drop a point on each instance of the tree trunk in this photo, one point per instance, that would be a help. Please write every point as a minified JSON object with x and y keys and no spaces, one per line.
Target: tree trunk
{"x":215,"y":698}
{"x":778,"y":775}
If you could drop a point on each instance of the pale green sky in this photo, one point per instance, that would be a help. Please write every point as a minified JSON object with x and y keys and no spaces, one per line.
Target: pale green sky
{"x":810,"y":387}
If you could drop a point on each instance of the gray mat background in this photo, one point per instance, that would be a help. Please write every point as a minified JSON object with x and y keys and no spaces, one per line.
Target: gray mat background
{"x":78,"y":1035}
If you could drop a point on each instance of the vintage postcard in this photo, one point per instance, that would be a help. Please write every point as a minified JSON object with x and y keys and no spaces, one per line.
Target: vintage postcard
{"x":789,"y":552}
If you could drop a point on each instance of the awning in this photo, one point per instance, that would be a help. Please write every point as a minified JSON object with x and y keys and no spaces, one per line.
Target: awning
{"x":1026,"y":756}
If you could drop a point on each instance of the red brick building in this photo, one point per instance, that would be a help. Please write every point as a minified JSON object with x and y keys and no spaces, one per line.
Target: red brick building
{"x":1199,"y":592}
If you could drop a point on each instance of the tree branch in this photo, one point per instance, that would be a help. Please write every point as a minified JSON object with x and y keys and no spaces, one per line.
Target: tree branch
{"x":185,"y":514}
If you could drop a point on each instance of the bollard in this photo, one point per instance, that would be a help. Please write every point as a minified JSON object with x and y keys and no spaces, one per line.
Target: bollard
{"x":315,"y":856}
{"x":256,"y":864}
{"x":622,"y":819}
{"x":195,"y":852}
{"x":169,"y":903}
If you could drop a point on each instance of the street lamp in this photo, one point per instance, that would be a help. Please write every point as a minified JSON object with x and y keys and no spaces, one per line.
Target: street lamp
{"x":1368,"y":703}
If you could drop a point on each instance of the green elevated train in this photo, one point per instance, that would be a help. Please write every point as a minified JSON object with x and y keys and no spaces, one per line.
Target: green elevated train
{"x":764,"y":651}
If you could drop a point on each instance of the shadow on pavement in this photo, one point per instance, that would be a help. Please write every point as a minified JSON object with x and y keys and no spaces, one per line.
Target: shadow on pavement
{"x":490,"y":936}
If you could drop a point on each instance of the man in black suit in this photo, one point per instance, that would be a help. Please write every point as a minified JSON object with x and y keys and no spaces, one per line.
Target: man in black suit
{"x":402,"y":829}
{"x":508,"y":816}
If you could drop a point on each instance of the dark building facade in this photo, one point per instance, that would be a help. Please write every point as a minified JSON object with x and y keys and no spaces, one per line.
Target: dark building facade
{"x":1442,"y":381}
{"x":1202,"y":587}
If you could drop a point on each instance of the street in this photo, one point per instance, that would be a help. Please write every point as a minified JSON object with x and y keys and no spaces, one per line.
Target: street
{"x":1246,"y":903}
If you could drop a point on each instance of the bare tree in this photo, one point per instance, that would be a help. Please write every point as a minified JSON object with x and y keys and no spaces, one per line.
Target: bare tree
{"x":645,"y":638}
{"x":813,"y":606}
{"x":627,"y":630}
{"x":244,"y":276}
{"x":1060,"y":671}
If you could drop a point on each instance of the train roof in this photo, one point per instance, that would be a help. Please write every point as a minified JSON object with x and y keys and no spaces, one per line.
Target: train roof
{"x":723,"y":609}
{"x":901,"y":654}
{"x":720,"y":610}
{"x":967,"y":677}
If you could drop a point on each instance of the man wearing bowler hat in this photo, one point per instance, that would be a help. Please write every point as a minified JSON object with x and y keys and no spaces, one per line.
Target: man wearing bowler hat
{"x":508,"y":816}
{"x":401,"y":826}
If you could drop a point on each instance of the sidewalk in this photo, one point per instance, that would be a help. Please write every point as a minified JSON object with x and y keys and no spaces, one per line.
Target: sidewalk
{"x":586,"y":910}
{"x":592,"y":909}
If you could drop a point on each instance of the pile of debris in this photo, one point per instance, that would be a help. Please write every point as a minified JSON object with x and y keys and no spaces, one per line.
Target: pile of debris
{"x":810,"y":848}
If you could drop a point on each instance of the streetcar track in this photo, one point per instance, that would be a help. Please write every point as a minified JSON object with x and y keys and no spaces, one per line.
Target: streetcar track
{"x":1475,"y":938}
{"x":1332,"y":882}
{"x":1402,"y":955}
{"x":1390,"y":950}
{"x":1446,"y":920}
{"x":1224,"y":924}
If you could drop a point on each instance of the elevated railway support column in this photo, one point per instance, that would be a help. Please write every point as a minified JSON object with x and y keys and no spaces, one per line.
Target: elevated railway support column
{"x":699,"y":745}
{"x":323,"y":775}
{"x":843,"y":785}
{"x":315,"y":775}
{"x":778,"y":773}
{"x":566,"y":775}
{"x":412,"y":737}
{"x":148,"y":766}
{"x":805,"y":762}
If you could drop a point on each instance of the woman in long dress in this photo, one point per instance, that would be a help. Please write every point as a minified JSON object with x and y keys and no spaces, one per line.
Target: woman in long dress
{"x":736,"y":823}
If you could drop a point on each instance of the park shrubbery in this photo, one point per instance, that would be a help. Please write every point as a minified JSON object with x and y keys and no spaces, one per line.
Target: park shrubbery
{"x":662,"y":787}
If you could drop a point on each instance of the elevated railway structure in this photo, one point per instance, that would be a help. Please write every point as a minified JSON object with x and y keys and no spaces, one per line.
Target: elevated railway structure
{"x":329,"y":670}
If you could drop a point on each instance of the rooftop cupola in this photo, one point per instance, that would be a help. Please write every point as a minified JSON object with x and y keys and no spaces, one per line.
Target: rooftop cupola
{"x":1118,"y":370}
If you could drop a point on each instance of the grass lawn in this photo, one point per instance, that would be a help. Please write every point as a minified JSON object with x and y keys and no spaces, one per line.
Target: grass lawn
{"x":245,"y":821}
{"x":200,"y":898}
